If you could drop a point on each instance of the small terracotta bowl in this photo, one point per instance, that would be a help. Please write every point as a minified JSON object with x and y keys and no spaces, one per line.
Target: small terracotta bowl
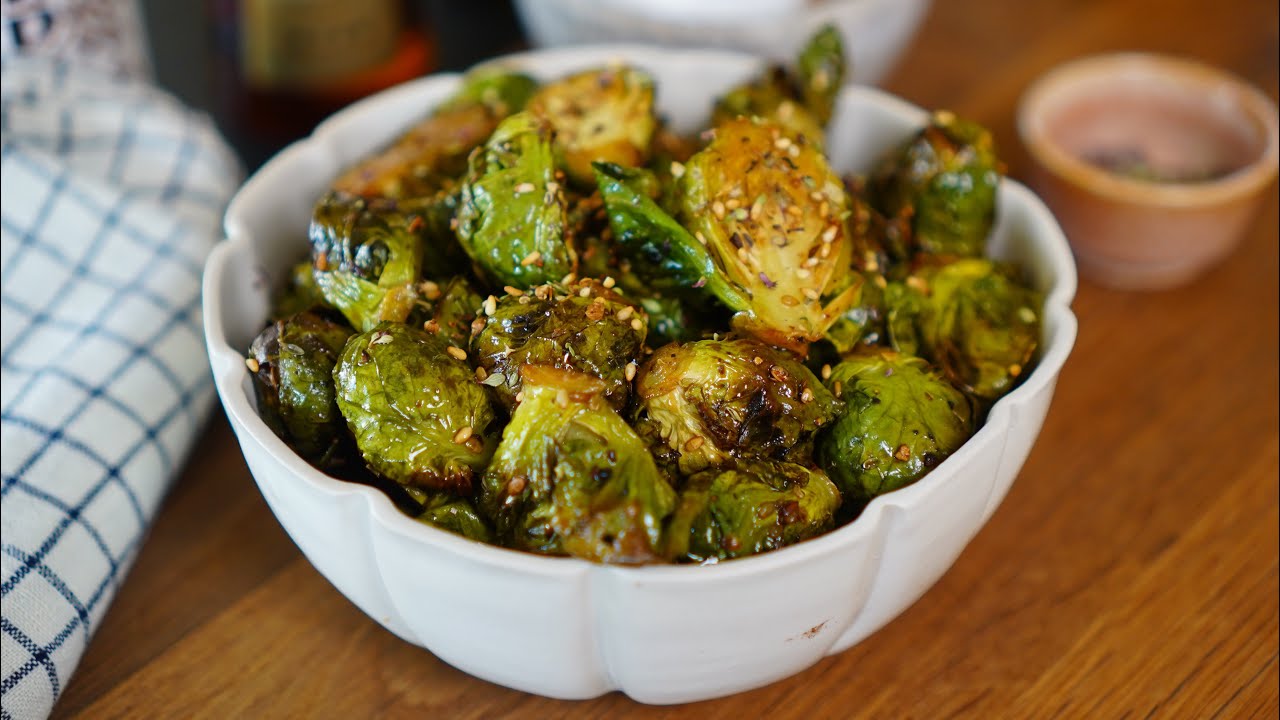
{"x":1154,"y":166}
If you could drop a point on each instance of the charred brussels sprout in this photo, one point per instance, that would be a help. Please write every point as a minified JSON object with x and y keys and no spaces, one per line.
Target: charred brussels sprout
{"x":512,"y":214}
{"x":292,"y":363}
{"x":973,"y":320}
{"x":571,"y":477}
{"x":773,"y":216}
{"x":943,"y":182}
{"x":604,"y":115}
{"x":423,"y":161}
{"x":900,"y":420}
{"x":750,"y":508}
{"x":703,"y":403}
{"x":417,"y":413}
{"x":368,"y":258}
{"x":585,"y":327}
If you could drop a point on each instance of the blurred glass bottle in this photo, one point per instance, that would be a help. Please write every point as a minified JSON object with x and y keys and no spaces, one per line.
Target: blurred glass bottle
{"x":284,"y":65}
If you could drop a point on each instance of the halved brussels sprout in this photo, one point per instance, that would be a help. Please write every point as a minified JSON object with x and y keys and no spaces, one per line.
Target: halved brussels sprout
{"x":598,"y":115}
{"x":368,"y":258}
{"x":773,"y":216}
{"x":571,"y":477}
{"x":900,"y":420}
{"x":700,"y":404}
{"x":418,"y":415}
{"x":292,"y":364}
{"x":584,"y":327}
{"x":750,"y":508}
{"x":512,"y":216}
{"x":423,"y":161}
{"x":973,"y":320}
{"x":943,"y":182}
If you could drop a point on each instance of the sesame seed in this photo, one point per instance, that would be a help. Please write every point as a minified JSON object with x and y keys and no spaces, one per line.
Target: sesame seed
{"x":806,"y":396}
{"x":252,"y":364}
{"x":510,"y":290}
{"x":569,"y":279}
{"x":701,"y":238}
{"x":562,"y":398}
{"x":903,"y":453}
{"x":826,"y":250}
{"x":693,"y":443}
{"x":803,"y":273}
{"x":810,"y":293}
{"x":826,"y":372}
{"x":429,"y":289}
{"x":830,"y":234}
{"x":431,"y":326}
{"x":516,"y":484}
{"x":824,"y":210}
{"x":838,"y":389}
{"x":523,"y":299}
{"x":790,"y":301}
{"x":794,"y":151}
{"x":625,"y":312}
{"x":636,"y":324}
{"x":380,"y":339}
{"x":490,"y":305}
{"x":757,"y":360}
{"x":717,"y":208}
{"x":782,"y":143}
{"x":481,"y":373}
{"x":777,"y":373}
{"x":524,"y":187}
{"x":677,"y":170}
{"x":531,"y":258}
{"x":609,"y":282}
{"x":462,"y":435}
{"x":733,"y":204}
{"x":630,"y":371}
{"x":817,"y":196}
{"x":520,"y":397}
{"x":794,"y":211}
{"x":1015,"y":369}
{"x":456,"y":353}
{"x":1026,"y":315}
{"x":595,"y":311}
{"x":811,"y":262}
{"x":585,"y":291}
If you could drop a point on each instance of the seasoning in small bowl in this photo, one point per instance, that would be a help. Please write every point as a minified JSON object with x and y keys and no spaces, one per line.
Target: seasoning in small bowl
{"x":1155,"y":166}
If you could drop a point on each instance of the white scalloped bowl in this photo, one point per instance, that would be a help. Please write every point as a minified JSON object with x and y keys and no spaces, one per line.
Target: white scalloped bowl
{"x":563,"y":627}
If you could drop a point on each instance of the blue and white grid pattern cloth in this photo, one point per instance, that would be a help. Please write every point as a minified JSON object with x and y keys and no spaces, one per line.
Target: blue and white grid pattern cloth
{"x":112,"y":196}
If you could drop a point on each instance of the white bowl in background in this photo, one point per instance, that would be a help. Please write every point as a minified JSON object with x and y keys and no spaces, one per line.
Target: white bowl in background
{"x":875,"y":32}
{"x":564,"y":627}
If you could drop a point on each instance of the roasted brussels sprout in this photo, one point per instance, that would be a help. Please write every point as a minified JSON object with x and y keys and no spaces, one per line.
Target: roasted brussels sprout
{"x":423,"y":162}
{"x":584,"y":327}
{"x":943,"y":182}
{"x":801,"y":101}
{"x":700,"y":404}
{"x":571,"y":477}
{"x":455,"y":514}
{"x":512,"y":215}
{"x":900,"y":420}
{"x":417,"y":413}
{"x":292,"y":364}
{"x":820,"y":69}
{"x":367,"y":258}
{"x":453,"y":310}
{"x":299,"y":293}
{"x":973,"y":320}
{"x":773,"y":216}
{"x":749,"y":508}
{"x":598,"y":115}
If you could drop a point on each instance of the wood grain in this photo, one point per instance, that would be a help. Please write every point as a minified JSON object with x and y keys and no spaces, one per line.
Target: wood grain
{"x":1131,"y":572}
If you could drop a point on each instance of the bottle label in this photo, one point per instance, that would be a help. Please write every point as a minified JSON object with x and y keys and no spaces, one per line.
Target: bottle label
{"x":307,"y":43}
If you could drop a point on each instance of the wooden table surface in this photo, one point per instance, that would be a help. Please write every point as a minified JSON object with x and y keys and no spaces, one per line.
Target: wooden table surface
{"x":1131,"y":571}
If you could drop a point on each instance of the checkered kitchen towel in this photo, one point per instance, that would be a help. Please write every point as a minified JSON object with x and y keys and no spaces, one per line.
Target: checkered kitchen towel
{"x":112,"y":195}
